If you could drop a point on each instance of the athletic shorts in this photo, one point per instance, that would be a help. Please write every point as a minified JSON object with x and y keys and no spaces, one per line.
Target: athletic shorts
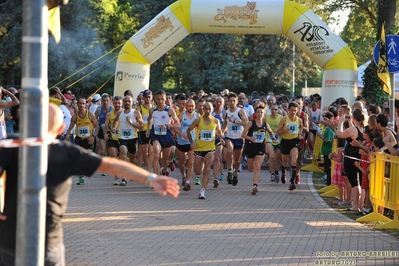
{"x":203,"y":153}
{"x":184,"y":148}
{"x":130,"y":145}
{"x":84,"y":143}
{"x":218,"y":142}
{"x":237,"y":143}
{"x":252,"y":150}
{"x":165,"y":144}
{"x":113,"y":143}
{"x":142,"y":138}
{"x":288,"y":144}
{"x":100,"y":134}
{"x":275,"y":147}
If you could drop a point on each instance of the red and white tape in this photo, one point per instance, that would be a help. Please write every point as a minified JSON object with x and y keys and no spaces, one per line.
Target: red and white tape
{"x":12,"y":143}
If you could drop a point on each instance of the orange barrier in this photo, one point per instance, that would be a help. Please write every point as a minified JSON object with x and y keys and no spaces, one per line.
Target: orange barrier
{"x":384,"y":190}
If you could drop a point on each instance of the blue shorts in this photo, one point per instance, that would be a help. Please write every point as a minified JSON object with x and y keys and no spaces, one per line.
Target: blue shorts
{"x":237,"y":143}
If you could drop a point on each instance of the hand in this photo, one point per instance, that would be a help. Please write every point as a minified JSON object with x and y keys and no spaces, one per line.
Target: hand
{"x":147,"y":133}
{"x":230,"y":119}
{"x":166,"y":186}
{"x":8,"y":116}
{"x":106,"y":137}
{"x":91,"y":140}
{"x":252,"y":139}
{"x":274,"y":140}
{"x":128,"y":119}
{"x":192,"y":145}
{"x":184,"y":136}
{"x":357,"y":164}
{"x":355,"y":143}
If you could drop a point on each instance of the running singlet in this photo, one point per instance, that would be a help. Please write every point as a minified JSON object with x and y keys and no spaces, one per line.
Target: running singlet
{"x":234,"y":131}
{"x":205,"y":135}
{"x":84,"y":127}
{"x":293,"y":127}
{"x":103,"y":115}
{"x":259,"y":133}
{"x":161,"y":117}
{"x":144,"y":113}
{"x":220,"y":118}
{"x":273,"y":123}
{"x":126,"y":130}
{"x":184,"y":125}
{"x":116,"y":135}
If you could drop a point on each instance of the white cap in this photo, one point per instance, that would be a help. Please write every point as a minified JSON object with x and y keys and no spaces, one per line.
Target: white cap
{"x":96,"y":97}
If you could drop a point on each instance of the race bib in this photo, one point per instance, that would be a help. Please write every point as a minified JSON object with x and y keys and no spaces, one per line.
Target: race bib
{"x":259,"y":136}
{"x":234,"y":127}
{"x":159,"y":131}
{"x":145,"y":118}
{"x":207,"y":135}
{"x":116,"y":134}
{"x":84,"y":131}
{"x":293,"y":128}
{"x":271,"y":140}
{"x":126,"y":133}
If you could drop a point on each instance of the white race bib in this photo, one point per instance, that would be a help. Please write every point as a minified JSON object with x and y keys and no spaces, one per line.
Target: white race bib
{"x":84,"y":131}
{"x":159,"y":131}
{"x":259,"y":137}
{"x":293,"y":128}
{"x":127,"y":133}
{"x":234,"y":127}
{"x":207,"y":135}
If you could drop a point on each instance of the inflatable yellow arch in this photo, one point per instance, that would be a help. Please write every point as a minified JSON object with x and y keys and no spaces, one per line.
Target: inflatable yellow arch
{"x":293,"y":20}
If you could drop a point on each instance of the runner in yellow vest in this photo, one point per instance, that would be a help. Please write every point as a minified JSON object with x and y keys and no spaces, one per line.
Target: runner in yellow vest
{"x":290,"y":130}
{"x":205,"y":127}
{"x":273,"y":145}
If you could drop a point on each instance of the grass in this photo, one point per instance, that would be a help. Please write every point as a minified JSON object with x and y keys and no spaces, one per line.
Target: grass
{"x":318,"y":184}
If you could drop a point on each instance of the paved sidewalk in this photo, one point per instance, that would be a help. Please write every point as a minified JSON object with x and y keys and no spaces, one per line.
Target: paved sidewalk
{"x":110,"y":225}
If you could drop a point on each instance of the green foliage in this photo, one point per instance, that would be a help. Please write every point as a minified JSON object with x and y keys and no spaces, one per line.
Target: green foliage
{"x":372,"y":90}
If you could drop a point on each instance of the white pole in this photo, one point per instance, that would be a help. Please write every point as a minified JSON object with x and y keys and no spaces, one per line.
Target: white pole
{"x":293,"y":71}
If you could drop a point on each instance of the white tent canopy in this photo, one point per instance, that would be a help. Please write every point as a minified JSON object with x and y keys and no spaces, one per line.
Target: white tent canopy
{"x":360,"y":73}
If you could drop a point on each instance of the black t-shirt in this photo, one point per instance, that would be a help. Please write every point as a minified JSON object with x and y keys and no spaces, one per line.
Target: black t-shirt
{"x":353,"y":150}
{"x":64,"y":161}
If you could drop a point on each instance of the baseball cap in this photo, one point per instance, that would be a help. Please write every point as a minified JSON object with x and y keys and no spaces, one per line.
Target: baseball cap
{"x":69,"y":97}
{"x":96,"y":97}
{"x":147,"y":93}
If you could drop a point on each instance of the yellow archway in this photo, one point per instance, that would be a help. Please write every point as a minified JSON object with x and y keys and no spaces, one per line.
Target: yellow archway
{"x":288,"y":18}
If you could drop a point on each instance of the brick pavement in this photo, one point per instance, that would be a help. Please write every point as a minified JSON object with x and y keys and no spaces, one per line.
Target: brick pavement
{"x":110,"y":225}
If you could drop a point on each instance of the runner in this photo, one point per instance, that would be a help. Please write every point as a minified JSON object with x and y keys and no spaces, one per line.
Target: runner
{"x":218,"y":113}
{"x":161,"y":131}
{"x":129,"y":122}
{"x":101,"y":114}
{"x":205,"y":127}
{"x":254,"y":134}
{"x":290,"y":129}
{"x":234,"y":121}
{"x":144,"y":141}
{"x":302,"y":147}
{"x":111,"y":131}
{"x":273,"y":146}
{"x":184,"y":149}
{"x":86,"y":129}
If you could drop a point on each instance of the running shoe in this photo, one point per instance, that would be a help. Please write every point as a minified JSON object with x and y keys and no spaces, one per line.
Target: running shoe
{"x":297,"y":179}
{"x":117,"y":181}
{"x":202,"y":194}
{"x":277,"y":177}
{"x":229,"y":177}
{"x":123,"y":182}
{"x":104,"y":174}
{"x":215,"y":183}
{"x":81,"y":181}
{"x":291,"y":187}
{"x":254,"y":190}
{"x":283,"y":179}
{"x":240,"y":168}
{"x":172,"y":166}
{"x":235,"y":180}
{"x":272,"y":178}
{"x":221,"y":177}
{"x":197,"y":181}
{"x":183,"y":181}
{"x":187,"y":186}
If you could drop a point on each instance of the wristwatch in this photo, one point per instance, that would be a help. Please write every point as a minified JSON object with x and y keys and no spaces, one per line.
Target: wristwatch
{"x":150,"y":179}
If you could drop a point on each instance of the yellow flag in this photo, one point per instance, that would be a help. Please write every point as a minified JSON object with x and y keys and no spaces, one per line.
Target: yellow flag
{"x":54,"y":23}
{"x":382,"y":70}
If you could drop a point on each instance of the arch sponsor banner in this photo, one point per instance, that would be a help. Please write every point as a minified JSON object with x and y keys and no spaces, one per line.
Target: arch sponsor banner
{"x":315,"y":38}
{"x":159,"y":36}
{"x":131,"y":76}
{"x":237,"y":16}
{"x":338,"y":83}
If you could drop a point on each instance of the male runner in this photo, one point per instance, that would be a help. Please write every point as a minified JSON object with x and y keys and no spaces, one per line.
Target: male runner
{"x":273,"y":145}
{"x":218,"y":113}
{"x":144,"y":141}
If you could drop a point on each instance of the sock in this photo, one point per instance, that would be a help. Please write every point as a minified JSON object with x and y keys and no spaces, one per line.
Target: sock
{"x":283,"y":170}
{"x":229,"y":171}
{"x":188,"y":181}
{"x":255,"y":185}
{"x":276,"y":172}
{"x":293,"y":173}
